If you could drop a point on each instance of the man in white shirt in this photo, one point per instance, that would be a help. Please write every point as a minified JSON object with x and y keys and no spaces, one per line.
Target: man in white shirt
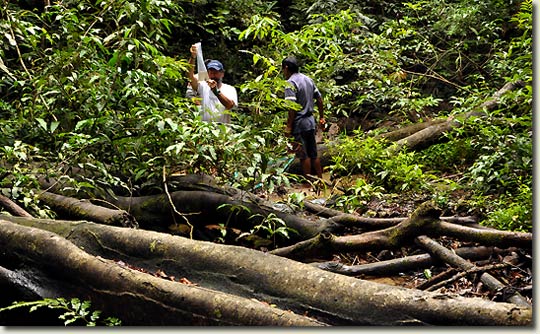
{"x":217,"y":97}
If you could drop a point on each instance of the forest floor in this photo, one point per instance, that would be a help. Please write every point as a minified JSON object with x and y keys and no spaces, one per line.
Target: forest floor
{"x":517,"y":277}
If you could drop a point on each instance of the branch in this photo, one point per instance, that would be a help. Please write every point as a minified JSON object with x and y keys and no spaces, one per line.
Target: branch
{"x":13,"y":207}
{"x":403,"y":264}
{"x":451,"y":258}
{"x":436,"y":285}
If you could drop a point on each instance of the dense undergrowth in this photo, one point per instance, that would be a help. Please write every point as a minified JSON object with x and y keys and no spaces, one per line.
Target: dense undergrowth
{"x":100,"y":85}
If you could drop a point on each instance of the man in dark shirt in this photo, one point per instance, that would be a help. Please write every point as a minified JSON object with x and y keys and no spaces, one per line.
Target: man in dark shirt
{"x":301,"y":124}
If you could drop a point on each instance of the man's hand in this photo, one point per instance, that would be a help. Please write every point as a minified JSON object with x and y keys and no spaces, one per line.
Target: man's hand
{"x":211,"y":83}
{"x":193,"y":51}
{"x":322,"y":123}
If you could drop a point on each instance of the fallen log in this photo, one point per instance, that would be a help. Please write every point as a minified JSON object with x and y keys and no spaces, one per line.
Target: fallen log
{"x":451,"y":258}
{"x":409,"y":130}
{"x":433,"y":132}
{"x":331,"y":298}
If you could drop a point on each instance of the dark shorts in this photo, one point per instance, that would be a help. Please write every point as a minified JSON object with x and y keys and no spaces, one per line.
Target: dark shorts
{"x":306,"y":145}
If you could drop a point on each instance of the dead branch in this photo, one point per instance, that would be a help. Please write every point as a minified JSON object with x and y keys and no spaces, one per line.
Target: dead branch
{"x":451,"y":258}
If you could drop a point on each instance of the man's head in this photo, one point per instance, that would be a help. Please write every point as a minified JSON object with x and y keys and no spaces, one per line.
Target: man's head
{"x":289,"y":66}
{"x":216,"y":71}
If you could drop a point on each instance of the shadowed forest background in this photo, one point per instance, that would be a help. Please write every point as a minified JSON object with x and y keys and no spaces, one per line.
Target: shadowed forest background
{"x":108,"y":171}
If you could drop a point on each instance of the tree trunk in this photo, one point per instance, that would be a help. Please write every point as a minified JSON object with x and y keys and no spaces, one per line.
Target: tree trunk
{"x":433,"y":132}
{"x":330,"y":298}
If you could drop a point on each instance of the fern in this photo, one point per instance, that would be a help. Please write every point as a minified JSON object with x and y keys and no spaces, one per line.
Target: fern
{"x":74,"y":310}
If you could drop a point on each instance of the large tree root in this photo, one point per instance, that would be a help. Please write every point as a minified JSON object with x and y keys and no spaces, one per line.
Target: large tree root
{"x":13,"y":207}
{"x":392,"y":237}
{"x":331,"y":298}
{"x":84,"y":209}
{"x":148,"y":299}
{"x":404,"y":264}
{"x":353,"y":220}
{"x":204,"y":207}
{"x":424,"y":220}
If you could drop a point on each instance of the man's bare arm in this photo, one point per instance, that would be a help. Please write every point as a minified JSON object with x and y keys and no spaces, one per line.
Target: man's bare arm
{"x":191,"y":73}
{"x":228,"y":103}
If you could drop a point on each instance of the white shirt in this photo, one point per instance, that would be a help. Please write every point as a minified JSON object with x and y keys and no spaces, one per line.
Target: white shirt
{"x":212,"y":109}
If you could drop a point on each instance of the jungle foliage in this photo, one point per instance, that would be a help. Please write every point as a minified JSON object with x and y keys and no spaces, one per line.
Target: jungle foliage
{"x":100,"y":85}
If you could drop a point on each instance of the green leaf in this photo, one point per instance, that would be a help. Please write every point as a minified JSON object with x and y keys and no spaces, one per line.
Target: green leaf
{"x":42,"y":123}
{"x":54,"y":125}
